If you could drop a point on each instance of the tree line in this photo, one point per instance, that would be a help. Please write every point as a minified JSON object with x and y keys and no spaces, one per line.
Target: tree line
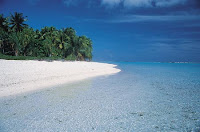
{"x":18,"y":39}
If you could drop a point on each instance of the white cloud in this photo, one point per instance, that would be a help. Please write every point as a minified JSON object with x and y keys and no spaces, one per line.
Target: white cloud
{"x":140,"y":18}
{"x":143,"y":3}
{"x":162,"y":3}
{"x":137,"y":3}
{"x":143,"y":18}
{"x":111,"y":2}
{"x":129,"y":3}
{"x":70,"y":2}
{"x":33,"y":2}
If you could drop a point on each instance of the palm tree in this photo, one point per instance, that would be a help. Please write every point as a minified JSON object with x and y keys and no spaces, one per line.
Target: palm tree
{"x":62,"y":42}
{"x":15,"y":41}
{"x":3,"y":23}
{"x":70,"y":32}
{"x":4,"y":41}
{"x":48,"y":35}
{"x":17,"y":22}
{"x":38,"y":48}
{"x":72,"y":42}
{"x":27,"y":41}
{"x":84,"y":48}
{"x":19,"y":39}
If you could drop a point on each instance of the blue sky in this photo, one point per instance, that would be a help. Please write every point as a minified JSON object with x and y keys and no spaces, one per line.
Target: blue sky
{"x":122,"y":30}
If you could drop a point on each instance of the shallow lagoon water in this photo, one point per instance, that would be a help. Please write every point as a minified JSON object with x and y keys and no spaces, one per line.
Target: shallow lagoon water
{"x":143,"y":97}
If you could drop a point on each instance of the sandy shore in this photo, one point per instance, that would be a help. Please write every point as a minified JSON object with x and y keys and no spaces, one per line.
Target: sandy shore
{"x":23,"y":76}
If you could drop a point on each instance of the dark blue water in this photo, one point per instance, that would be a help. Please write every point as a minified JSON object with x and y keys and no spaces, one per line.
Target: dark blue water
{"x":143,"y":97}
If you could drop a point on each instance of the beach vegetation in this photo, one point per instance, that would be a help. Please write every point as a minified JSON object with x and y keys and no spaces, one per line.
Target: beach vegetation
{"x":19,"y":39}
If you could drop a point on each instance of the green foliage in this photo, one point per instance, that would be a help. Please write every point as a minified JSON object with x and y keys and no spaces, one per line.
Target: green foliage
{"x":71,"y":57}
{"x":8,"y":57}
{"x":3,"y":23}
{"x":19,"y":40}
{"x":17,"y":22}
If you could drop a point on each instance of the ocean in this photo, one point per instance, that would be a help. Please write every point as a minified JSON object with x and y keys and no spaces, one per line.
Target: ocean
{"x":143,"y":97}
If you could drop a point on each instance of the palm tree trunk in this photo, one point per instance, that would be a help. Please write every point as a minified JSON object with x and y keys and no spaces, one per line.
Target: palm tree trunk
{"x":82,"y":58}
{"x":16,"y":52}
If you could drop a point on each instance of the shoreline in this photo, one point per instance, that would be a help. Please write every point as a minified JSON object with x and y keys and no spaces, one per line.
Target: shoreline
{"x":20,"y":76}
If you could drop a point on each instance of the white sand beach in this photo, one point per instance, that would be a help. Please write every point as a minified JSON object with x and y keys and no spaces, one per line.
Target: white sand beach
{"x":19,"y":76}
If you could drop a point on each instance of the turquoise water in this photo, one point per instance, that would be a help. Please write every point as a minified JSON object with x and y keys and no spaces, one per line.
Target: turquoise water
{"x":143,"y":97}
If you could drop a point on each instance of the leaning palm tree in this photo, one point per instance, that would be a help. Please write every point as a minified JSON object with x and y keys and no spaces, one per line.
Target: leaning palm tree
{"x":17,"y":22}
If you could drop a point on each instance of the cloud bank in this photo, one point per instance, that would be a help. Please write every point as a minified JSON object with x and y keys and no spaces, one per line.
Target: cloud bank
{"x":145,"y":18}
{"x":131,"y":3}
{"x":144,"y":3}
{"x":70,"y":2}
{"x":142,"y":18}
